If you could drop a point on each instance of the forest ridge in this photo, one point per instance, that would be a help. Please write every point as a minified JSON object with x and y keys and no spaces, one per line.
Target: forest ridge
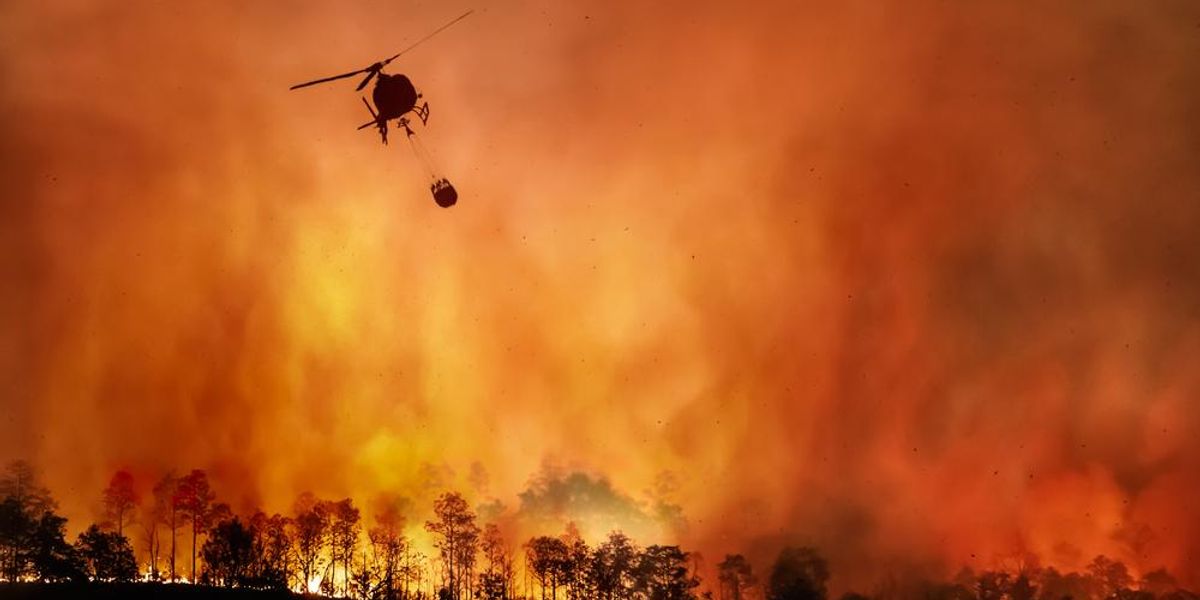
{"x":186,"y":536}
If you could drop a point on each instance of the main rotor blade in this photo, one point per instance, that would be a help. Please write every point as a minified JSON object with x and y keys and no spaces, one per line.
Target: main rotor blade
{"x":374,"y":69}
{"x":426,"y":38}
{"x":335,"y":77}
{"x":362,"y":84}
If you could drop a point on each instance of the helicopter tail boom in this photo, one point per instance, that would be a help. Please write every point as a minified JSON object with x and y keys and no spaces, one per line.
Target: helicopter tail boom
{"x":375,"y":120}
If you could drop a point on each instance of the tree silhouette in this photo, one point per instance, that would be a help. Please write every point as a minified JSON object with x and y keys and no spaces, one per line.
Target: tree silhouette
{"x":106,"y":555}
{"x":496,"y":582}
{"x":15,"y":528}
{"x":120,"y":500}
{"x":363,"y":584}
{"x":26,"y":524}
{"x":228,"y":554}
{"x":575,"y":563}
{"x":1022,"y":587}
{"x":388,"y":545}
{"x":149,"y":521}
{"x":311,"y":524}
{"x":321,"y":545}
{"x":1179,"y":594}
{"x":993,"y":585}
{"x":662,"y":574}
{"x":546,"y":557}
{"x":194,"y":499}
{"x":167,"y":512}
{"x":798,"y":574}
{"x":415,"y":572}
{"x":272,"y":567}
{"x":735,"y":576}
{"x":940,"y":590}
{"x":20,"y":482}
{"x":51,"y":557}
{"x":344,"y":528}
{"x":1158,"y":582}
{"x":1111,"y":575}
{"x":1055,"y":585}
{"x":610,"y":571}
{"x":458,"y":543}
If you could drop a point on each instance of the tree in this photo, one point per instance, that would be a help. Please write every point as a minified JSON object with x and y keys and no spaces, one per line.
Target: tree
{"x":414,"y":572}
{"x":547,"y":558}
{"x":228,"y":554}
{"x":194,"y":499}
{"x":610,"y":572}
{"x":120,"y":500}
{"x":272,"y":568}
{"x":458,"y":543}
{"x":1022,"y":587}
{"x":344,"y":529}
{"x":20,"y":482}
{"x":495,"y":583}
{"x":388,"y":546}
{"x":575,"y":563}
{"x":311,"y":524}
{"x":106,"y":555}
{"x":735,"y":576}
{"x":798,"y":574}
{"x":492,"y":586}
{"x":1111,"y":574}
{"x":993,"y":585}
{"x":1158,"y":582}
{"x":363,"y":584}
{"x":662,"y":574}
{"x":149,"y":521}
{"x":15,"y":528}
{"x":23,"y":504}
{"x":1055,"y":586}
{"x":51,"y":557}
{"x":167,"y":512}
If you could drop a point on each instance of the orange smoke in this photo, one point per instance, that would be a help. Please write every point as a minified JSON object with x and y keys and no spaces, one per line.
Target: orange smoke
{"x":914,"y":282}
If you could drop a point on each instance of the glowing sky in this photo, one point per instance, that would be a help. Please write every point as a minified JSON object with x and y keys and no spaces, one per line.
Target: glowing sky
{"x":917,"y":282}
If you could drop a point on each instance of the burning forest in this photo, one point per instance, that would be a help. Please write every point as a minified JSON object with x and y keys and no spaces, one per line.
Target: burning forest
{"x":762,"y":301}
{"x":186,"y":535}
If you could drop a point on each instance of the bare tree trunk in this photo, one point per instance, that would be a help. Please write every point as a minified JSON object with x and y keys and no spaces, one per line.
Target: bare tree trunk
{"x":152,"y":541}
{"x":173,"y":530}
{"x":193,"y":550}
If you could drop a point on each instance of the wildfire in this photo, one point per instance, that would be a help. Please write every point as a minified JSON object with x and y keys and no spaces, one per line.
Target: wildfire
{"x":912,"y":283}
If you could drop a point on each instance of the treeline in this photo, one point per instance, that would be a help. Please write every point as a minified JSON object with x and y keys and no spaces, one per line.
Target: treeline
{"x":323,"y":546}
{"x":1102,"y":579}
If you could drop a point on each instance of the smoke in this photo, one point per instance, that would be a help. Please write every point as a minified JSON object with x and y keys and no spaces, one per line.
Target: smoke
{"x":556,"y":497}
{"x":914,"y":282}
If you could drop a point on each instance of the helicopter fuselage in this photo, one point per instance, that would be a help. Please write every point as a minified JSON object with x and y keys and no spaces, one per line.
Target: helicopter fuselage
{"x":394,"y":96}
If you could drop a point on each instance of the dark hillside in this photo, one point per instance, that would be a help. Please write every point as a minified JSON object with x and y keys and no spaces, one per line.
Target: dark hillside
{"x":133,"y":591}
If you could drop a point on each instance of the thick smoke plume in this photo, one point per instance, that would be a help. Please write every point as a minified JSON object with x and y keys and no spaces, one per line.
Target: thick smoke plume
{"x":914,"y":282}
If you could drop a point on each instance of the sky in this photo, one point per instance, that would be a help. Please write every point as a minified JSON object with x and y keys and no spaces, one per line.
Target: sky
{"x":914,"y":282}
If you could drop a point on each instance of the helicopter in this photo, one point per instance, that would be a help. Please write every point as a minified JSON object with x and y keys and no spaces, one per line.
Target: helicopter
{"x":395,"y":97}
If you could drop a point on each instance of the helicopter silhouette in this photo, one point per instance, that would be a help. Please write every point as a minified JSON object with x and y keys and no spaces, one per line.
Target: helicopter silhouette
{"x":395,"y":97}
